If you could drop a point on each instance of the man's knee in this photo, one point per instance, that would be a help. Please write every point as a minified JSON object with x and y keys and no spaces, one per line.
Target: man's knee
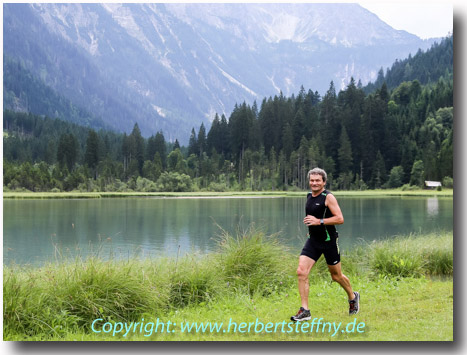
{"x":302,"y":271}
{"x":336,"y":276}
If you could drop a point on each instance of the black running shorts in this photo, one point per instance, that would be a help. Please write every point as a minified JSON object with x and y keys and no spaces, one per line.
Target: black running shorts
{"x":330,"y":249}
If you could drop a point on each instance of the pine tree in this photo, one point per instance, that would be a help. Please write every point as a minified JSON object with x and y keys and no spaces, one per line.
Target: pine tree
{"x":202,"y":143}
{"x":224,"y":137}
{"x":298,"y":127}
{"x":176,"y":145}
{"x":329,"y":121}
{"x":214,"y":140}
{"x":137,"y":149}
{"x":161,"y":148}
{"x":378,"y":177}
{"x":417,"y":174}
{"x":92,"y":154}
{"x":67,"y":151}
{"x":150,"y":148}
{"x":193,"y":143}
{"x":288,"y":140}
{"x":345,"y":152}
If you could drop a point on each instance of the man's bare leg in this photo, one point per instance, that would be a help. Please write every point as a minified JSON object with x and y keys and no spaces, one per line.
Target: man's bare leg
{"x":304,"y":266}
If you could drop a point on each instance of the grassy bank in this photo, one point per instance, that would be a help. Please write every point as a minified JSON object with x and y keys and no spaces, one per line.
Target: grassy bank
{"x":208,"y":194}
{"x":250,"y":278}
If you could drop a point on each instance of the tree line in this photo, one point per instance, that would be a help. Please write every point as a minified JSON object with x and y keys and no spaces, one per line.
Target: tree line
{"x":387,"y":138}
{"x":384,"y":139}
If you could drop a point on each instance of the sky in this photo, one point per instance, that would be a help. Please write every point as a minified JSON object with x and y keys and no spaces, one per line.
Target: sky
{"x":425,"y":19}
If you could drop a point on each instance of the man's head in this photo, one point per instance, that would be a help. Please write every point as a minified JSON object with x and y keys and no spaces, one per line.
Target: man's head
{"x":318,"y":171}
{"x":317,"y":179}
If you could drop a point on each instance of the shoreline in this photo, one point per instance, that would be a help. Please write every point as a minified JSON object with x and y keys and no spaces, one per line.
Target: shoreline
{"x":230,"y":194}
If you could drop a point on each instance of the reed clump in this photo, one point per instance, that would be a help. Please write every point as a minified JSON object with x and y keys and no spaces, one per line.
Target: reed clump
{"x":253,"y":262}
{"x":413,"y":256}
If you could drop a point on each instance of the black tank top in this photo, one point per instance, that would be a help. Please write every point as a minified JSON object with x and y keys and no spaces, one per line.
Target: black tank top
{"x":316,"y":207}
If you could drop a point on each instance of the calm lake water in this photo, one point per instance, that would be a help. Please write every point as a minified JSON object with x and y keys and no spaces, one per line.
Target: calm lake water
{"x":37,"y":231}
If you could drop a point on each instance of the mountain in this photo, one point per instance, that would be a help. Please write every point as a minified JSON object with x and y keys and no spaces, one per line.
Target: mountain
{"x":170,"y":67}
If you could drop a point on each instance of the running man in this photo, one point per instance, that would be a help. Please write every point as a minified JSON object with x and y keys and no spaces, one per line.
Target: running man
{"x":322,"y":214}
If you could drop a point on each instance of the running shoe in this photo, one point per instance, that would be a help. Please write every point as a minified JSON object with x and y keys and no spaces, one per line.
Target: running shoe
{"x":302,"y":314}
{"x":354,"y":305}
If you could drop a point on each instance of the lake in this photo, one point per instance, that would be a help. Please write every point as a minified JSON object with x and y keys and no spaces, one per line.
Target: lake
{"x":38,"y":231}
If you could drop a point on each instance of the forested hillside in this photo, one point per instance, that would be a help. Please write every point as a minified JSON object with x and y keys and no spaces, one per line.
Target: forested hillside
{"x":426,"y":67}
{"x":384,"y":139}
{"x":25,"y":93}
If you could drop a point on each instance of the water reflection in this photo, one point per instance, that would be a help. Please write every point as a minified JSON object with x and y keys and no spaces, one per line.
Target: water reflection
{"x":34,"y":230}
{"x":432,"y":206}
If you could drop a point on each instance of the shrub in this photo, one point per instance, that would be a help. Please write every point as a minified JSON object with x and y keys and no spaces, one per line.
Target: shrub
{"x":395,"y":177}
{"x":174,"y":182}
{"x":145,"y":185}
{"x":448,"y":182}
{"x":408,"y":187}
{"x":218,"y":186}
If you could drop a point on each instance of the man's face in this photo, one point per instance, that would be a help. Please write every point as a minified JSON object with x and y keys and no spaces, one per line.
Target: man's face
{"x":316,"y":182}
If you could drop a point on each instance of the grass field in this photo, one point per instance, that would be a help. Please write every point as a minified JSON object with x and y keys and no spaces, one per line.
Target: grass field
{"x":406,"y":288}
{"x":365,"y":193}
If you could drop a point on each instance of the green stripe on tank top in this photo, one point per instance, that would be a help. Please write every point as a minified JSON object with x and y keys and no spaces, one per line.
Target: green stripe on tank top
{"x":329,"y":237}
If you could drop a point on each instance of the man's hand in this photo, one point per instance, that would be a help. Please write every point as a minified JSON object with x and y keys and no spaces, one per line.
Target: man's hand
{"x":311,"y":221}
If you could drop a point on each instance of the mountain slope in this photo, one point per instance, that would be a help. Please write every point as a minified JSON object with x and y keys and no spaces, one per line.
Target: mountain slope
{"x":426,"y":67}
{"x":170,"y":67}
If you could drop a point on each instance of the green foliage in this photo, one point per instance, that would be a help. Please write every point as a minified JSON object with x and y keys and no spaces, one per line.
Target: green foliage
{"x":417,"y":174}
{"x":396,"y":177}
{"x":425,"y":67}
{"x":172,"y":181}
{"x":345,"y":159}
{"x":145,"y":185}
{"x":93,"y":152}
{"x":175,"y":162}
{"x":448,"y":182}
{"x":408,"y":187}
{"x":67,"y":151}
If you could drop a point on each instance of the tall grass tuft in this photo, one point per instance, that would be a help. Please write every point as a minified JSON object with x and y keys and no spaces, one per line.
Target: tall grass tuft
{"x":253,"y":262}
{"x":192,"y":281}
{"x":107,"y":290}
{"x":66,"y":296}
{"x":413,"y":255}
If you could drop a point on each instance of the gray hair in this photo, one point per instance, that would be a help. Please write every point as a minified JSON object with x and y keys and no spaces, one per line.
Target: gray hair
{"x":318,"y":171}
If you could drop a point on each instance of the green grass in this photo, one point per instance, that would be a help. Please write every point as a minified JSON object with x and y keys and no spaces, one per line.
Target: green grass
{"x":251,"y":277}
{"x":412,"y":256}
{"x":207,"y":194}
{"x":50,"y":195}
